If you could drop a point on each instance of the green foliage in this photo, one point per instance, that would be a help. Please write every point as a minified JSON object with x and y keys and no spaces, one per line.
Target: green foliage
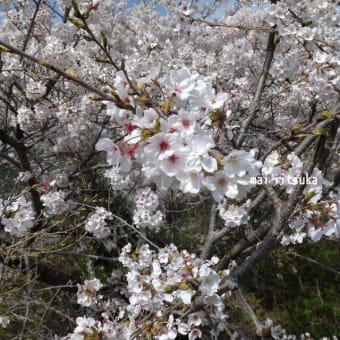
{"x":298,"y":287}
{"x":184,"y":226}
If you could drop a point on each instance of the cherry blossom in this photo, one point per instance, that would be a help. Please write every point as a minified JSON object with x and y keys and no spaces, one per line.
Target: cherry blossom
{"x":17,"y":216}
{"x":120,"y":124}
{"x":86,"y":295}
{"x":97,"y":225}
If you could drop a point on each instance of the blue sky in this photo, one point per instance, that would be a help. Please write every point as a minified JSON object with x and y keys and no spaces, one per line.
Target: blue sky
{"x":160,"y":8}
{"x":162,"y":11}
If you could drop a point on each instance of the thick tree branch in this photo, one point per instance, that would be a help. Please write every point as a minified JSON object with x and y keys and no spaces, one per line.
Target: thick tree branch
{"x":256,"y":235}
{"x":270,"y":241}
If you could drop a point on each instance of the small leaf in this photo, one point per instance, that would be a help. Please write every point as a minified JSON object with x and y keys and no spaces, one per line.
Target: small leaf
{"x":296,"y":127}
{"x":76,"y":22}
{"x":169,"y":289}
{"x":143,"y":101}
{"x":87,"y":37}
{"x":104,"y":39}
{"x":122,"y":64}
{"x":71,"y":72}
{"x":102,"y":60}
{"x":36,"y":186}
{"x":95,"y":99}
{"x":184,"y":286}
{"x":140,"y":86}
{"x":44,"y":63}
{"x":146,"y":134}
{"x":309,"y":196}
{"x":215,"y":115}
{"x":3,"y":49}
{"x":157,"y":126}
{"x":166,"y":107}
{"x":326,"y":114}
{"x":319,"y":132}
{"x":301,"y":135}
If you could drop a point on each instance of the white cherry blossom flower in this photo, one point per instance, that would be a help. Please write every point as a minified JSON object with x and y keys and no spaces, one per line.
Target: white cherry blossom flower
{"x":17,"y":216}
{"x":161,"y":146}
{"x":181,"y":82}
{"x":190,"y":182}
{"x":113,"y":154}
{"x":221,"y":185}
{"x":174,"y":164}
{"x":87,"y":293}
{"x":97,"y":225}
{"x":4,"y":321}
{"x":198,"y":158}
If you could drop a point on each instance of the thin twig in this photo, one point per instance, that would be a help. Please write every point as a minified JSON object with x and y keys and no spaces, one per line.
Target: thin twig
{"x":271,"y":45}
{"x":314,"y":261}
{"x":136,"y":230}
{"x":245,"y":306}
{"x":211,"y":238}
{"x":30,"y":29}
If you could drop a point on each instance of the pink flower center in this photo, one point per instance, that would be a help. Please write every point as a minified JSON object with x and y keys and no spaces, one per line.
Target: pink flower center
{"x":163,"y":145}
{"x":130,"y":151}
{"x":185,"y":123}
{"x":177,"y":89}
{"x":173,"y":159}
{"x":232,"y":160}
{"x":221,"y":181}
{"x":128,"y":128}
{"x":46,"y":187}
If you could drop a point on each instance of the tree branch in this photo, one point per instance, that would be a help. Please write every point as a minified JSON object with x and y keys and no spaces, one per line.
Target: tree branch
{"x":271,"y":45}
{"x":10,"y":49}
{"x":10,"y":160}
{"x":211,"y":238}
{"x":30,"y":29}
{"x":21,"y":151}
{"x":270,"y":241}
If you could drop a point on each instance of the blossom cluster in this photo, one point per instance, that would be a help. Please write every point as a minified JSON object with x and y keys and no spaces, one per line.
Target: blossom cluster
{"x":302,"y":25}
{"x":146,"y":214}
{"x":233,"y":215}
{"x":87,"y":293}
{"x":4,"y":321}
{"x":96,"y":223}
{"x":176,"y":143}
{"x":54,"y":203}
{"x":283,"y":173}
{"x":315,"y":221}
{"x":319,"y":217}
{"x":116,"y":178}
{"x":161,"y":284}
{"x":277,"y":332}
{"x":17,"y":215}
